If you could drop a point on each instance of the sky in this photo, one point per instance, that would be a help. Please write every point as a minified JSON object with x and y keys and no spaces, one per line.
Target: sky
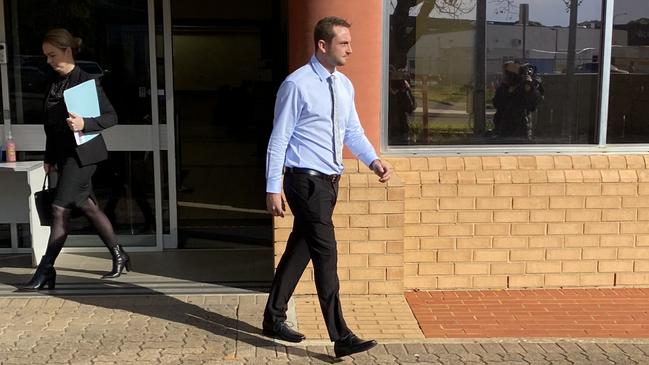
{"x":627,"y":10}
{"x":553,"y":12}
{"x":548,"y":12}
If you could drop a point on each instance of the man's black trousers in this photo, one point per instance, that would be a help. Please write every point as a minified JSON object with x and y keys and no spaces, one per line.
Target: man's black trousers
{"x":312,"y":200}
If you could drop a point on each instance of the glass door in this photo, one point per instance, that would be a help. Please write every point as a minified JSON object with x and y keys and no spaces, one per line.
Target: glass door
{"x":224,"y":113}
{"x":119,"y":48}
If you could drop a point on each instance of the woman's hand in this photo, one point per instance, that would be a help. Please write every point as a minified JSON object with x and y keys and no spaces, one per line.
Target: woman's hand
{"x":49,"y":168}
{"x":75,"y":122}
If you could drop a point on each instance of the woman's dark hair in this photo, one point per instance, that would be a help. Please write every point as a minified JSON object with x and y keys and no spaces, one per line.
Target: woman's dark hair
{"x":324,"y":29}
{"x":62,"y":38}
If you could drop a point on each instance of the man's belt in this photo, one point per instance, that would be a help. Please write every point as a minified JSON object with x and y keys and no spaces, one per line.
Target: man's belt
{"x":302,"y":171}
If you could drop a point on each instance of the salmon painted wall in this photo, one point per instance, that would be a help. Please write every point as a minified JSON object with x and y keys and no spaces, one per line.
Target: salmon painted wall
{"x":364,"y":66}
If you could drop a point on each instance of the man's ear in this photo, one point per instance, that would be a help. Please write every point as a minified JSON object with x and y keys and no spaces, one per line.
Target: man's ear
{"x":322,"y":46}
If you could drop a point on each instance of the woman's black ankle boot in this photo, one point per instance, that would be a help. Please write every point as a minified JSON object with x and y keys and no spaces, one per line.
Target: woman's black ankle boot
{"x":120,"y":261}
{"x":45,"y":275}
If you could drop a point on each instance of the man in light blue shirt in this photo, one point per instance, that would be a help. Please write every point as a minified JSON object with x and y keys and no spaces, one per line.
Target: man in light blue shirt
{"x":315,"y":115}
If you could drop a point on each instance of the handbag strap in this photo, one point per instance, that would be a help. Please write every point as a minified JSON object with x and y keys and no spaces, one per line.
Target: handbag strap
{"x":45,"y":181}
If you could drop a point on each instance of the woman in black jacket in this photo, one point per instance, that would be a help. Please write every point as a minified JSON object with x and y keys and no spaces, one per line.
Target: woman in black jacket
{"x":74,"y":163}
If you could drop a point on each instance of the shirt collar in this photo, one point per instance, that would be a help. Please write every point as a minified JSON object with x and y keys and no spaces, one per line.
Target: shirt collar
{"x":320,"y":70}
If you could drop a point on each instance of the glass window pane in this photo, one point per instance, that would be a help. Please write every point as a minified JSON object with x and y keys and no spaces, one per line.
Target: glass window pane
{"x":124,"y":187}
{"x":164,"y":168}
{"x":24,"y":235}
{"x":547,"y":95}
{"x":5,"y":236}
{"x":542,"y":87}
{"x":115,"y":48}
{"x":431,"y":71}
{"x":628,"y":114}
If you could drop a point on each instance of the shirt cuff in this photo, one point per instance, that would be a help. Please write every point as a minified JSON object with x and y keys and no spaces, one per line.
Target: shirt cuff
{"x":369,"y":158}
{"x":274,"y":186}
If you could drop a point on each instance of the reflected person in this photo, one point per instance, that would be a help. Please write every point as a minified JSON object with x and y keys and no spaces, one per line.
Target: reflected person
{"x":516,"y":97}
{"x":74,"y":163}
{"x":128,"y":181}
{"x":401,"y":106}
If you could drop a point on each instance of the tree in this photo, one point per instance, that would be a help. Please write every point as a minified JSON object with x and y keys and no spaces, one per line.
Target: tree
{"x":406,"y":30}
{"x":509,"y":6}
{"x":403,"y":30}
{"x":569,"y":3}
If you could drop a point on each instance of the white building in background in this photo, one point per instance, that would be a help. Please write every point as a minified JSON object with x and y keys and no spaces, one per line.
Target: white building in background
{"x":451,"y":53}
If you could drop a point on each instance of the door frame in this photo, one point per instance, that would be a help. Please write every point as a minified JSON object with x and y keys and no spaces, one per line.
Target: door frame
{"x":170,"y":239}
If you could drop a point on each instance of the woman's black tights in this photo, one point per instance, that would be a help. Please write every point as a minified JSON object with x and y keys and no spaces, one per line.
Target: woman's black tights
{"x":61,"y":227}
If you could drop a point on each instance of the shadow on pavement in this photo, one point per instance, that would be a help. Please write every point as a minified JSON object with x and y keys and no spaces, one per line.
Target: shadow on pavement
{"x":154,"y":304}
{"x":221,"y":267}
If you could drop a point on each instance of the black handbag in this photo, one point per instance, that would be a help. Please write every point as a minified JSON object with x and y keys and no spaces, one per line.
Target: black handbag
{"x":44,"y":199}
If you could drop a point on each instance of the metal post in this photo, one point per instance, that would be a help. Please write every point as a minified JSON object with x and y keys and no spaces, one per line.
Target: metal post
{"x":556,"y":47}
{"x":524,"y":15}
{"x":480,"y":69}
{"x":155,"y":123}
{"x":605,"y":62}
{"x":4,"y":75}
{"x":171,"y":132}
{"x":6,"y":106}
{"x":571,"y":108}
{"x":424,"y":105}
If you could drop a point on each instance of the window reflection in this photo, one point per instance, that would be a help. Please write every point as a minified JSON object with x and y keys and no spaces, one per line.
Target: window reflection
{"x":124,"y":187}
{"x":628,"y":118}
{"x":542,"y":55}
{"x":431,"y":71}
{"x":115,"y":49}
{"x":5,"y":236}
{"x":557,"y":43}
{"x":24,"y":235}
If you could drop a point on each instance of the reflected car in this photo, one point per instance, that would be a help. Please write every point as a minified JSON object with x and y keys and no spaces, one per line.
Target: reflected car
{"x":91,"y":67}
{"x":34,"y":76}
{"x":593,"y":67}
{"x":33,"y":79}
{"x":35,"y":73}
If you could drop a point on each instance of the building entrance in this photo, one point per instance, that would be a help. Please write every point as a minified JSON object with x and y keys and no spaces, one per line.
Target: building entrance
{"x":228,"y":60}
{"x":118,"y":45}
{"x":193,"y":83}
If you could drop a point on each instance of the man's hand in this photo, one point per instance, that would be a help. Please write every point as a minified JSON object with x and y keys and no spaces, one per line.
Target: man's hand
{"x":75,"y":122}
{"x":275,"y":204}
{"x":382,"y":169}
{"x":528,"y":82}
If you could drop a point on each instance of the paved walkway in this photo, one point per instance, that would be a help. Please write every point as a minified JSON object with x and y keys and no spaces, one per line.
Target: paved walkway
{"x":578,"y":313}
{"x":369,"y":316}
{"x":223,"y":329}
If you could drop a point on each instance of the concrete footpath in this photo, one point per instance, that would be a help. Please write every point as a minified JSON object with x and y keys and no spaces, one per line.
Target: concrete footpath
{"x":224,"y":329}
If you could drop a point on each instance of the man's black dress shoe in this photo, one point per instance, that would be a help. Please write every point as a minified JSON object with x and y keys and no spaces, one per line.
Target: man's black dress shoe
{"x":283,"y":332}
{"x":351,"y":345}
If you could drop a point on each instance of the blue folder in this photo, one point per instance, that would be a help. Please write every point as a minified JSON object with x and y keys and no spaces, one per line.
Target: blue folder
{"x":83,"y":101}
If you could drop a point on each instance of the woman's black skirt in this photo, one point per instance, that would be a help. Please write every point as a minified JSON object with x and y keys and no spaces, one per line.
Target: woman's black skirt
{"x":74,"y":185}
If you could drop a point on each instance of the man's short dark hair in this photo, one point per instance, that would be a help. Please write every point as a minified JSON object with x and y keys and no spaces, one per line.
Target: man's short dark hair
{"x":324,"y":30}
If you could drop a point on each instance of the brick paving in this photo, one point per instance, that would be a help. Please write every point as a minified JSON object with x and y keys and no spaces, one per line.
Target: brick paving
{"x":369,"y":316}
{"x":579,"y":313}
{"x":223,"y":329}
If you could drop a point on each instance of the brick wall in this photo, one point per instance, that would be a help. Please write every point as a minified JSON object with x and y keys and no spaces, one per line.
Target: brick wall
{"x":369,"y":230}
{"x":491,"y":222}
{"x":526,"y":221}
